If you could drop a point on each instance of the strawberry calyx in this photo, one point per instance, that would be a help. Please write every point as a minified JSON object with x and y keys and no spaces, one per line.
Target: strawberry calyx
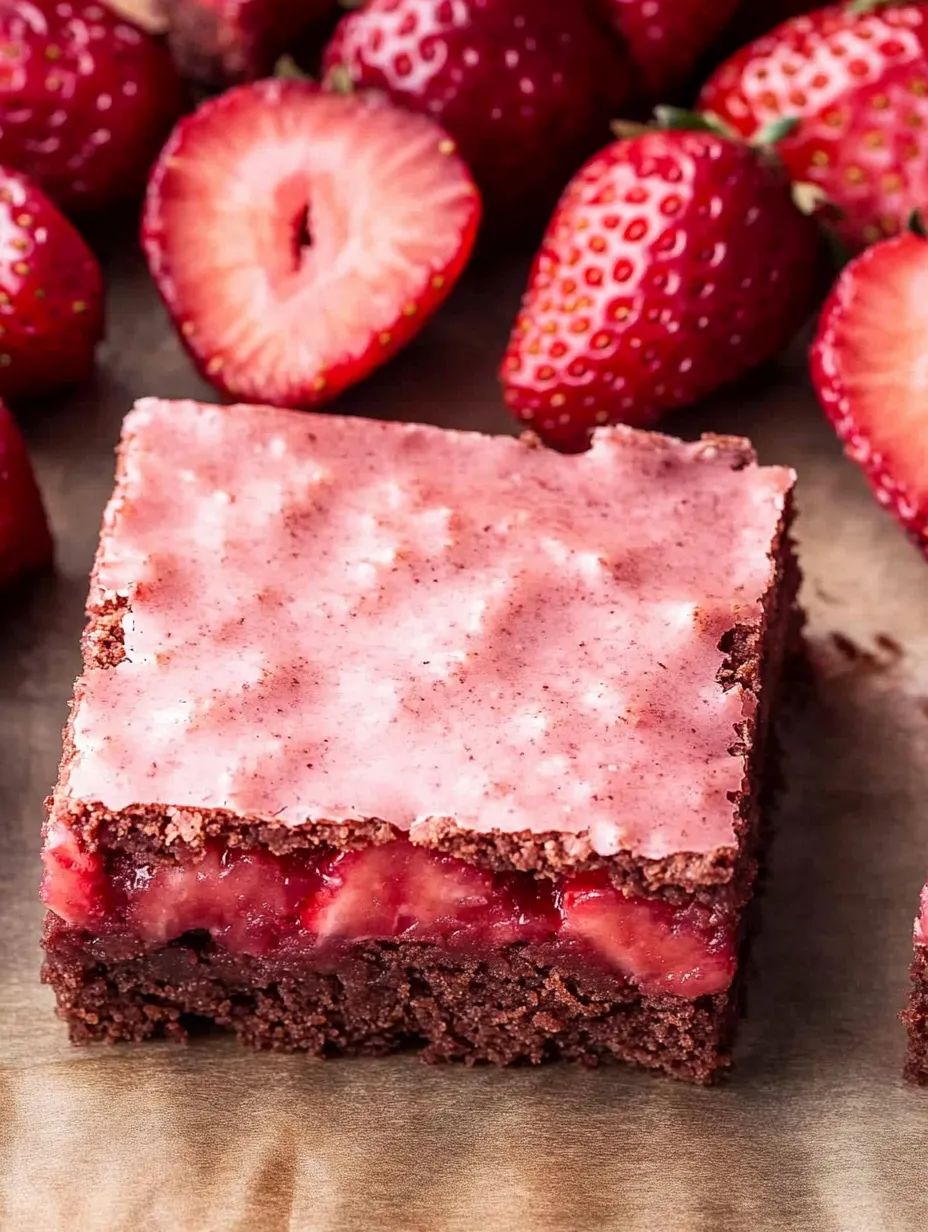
{"x":339,"y":80}
{"x":857,"y":8}
{"x":916,"y":225}
{"x":681,"y":119}
{"x":287,"y":69}
{"x":808,"y":198}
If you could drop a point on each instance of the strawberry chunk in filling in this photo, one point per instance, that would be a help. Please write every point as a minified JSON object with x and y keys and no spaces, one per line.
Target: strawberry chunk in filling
{"x":258,"y":903}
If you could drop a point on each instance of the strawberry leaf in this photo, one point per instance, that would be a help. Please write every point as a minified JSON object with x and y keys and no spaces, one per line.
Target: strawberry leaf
{"x":339,"y":80}
{"x":625,"y":129}
{"x":690,"y":121}
{"x":857,"y":8}
{"x":775,"y":131}
{"x":287,"y":68}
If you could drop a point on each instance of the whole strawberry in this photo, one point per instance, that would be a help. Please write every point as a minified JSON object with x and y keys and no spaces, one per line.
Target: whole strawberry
{"x":222,"y":41}
{"x":85,"y":100}
{"x":868,"y":367}
{"x":665,"y":38}
{"x":299,"y":238}
{"x":675,"y":262}
{"x":25,"y":542}
{"x":857,"y":77}
{"x":51,"y":294}
{"x":526,"y":87}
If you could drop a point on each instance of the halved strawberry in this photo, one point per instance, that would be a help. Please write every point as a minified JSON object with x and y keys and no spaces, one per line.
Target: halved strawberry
{"x":661,"y":948}
{"x":870,"y":370}
{"x":300,"y":238}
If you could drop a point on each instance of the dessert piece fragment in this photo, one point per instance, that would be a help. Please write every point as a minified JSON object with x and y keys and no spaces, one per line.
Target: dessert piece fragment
{"x":916,"y":1016}
{"x":391,"y":735}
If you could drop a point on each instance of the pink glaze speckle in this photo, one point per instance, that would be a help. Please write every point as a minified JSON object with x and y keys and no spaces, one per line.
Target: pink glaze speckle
{"x":334,"y":618}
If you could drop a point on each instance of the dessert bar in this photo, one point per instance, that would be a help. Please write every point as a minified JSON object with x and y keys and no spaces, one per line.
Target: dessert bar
{"x":916,"y":1016}
{"x":393,"y":736}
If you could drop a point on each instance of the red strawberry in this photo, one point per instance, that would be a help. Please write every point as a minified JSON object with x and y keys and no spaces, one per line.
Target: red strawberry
{"x":517,"y":83}
{"x":25,"y":542}
{"x":675,"y":262}
{"x":218,"y":41}
{"x":85,"y":100}
{"x":665,"y":38}
{"x":51,"y":294}
{"x":300,"y":238}
{"x":869,"y":370}
{"x":859,"y":82}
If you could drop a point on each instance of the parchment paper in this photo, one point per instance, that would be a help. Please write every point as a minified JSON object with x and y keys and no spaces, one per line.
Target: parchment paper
{"x":814,"y":1130}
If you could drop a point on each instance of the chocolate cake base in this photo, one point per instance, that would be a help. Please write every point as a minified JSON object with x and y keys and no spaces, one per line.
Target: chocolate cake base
{"x":916,"y":1019}
{"x":516,"y":1005}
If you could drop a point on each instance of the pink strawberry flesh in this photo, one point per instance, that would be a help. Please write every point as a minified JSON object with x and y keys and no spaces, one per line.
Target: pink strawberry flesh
{"x":74,"y":884}
{"x":299,"y":238}
{"x":400,"y":890}
{"x":25,"y":541}
{"x":309,"y":903}
{"x":685,"y":952}
{"x":870,"y":369}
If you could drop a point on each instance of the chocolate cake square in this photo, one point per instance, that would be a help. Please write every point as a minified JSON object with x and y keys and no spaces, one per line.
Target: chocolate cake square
{"x":916,"y":1016}
{"x":394,"y":736}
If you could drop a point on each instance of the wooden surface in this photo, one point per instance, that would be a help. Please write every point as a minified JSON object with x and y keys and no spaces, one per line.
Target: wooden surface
{"x":815,"y":1130}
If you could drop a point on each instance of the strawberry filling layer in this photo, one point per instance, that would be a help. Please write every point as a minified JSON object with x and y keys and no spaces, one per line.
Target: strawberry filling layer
{"x":257,"y":903}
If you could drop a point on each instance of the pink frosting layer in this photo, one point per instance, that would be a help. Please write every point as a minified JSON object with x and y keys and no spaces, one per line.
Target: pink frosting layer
{"x":335,"y":618}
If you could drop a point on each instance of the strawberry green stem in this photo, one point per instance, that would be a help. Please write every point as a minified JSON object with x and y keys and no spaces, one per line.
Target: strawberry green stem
{"x":691,"y":121}
{"x":339,"y":80}
{"x":287,"y":68}
{"x":774,"y":132}
{"x":857,"y":8}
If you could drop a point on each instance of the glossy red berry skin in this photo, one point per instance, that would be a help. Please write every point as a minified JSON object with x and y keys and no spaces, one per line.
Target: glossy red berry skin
{"x":674,"y":263}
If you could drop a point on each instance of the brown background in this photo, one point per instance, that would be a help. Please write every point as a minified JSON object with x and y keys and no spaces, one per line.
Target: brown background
{"x":815,"y":1129}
